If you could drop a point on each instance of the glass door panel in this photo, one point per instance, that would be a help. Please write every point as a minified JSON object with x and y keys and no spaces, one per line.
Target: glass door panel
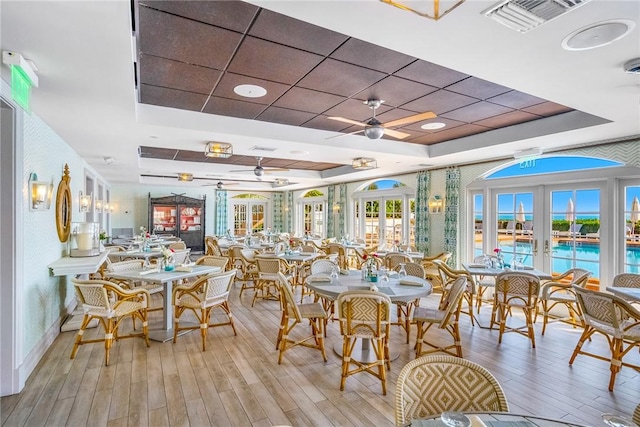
{"x":372,"y":222}
{"x":478,"y":224}
{"x":240,"y":220}
{"x":575,"y":225}
{"x":257,"y":218}
{"x":515,"y":227}
{"x":631,"y":229}
{"x":393,"y":222}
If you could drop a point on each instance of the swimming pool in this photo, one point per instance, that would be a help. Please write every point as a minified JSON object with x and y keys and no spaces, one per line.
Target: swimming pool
{"x":587,"y":255}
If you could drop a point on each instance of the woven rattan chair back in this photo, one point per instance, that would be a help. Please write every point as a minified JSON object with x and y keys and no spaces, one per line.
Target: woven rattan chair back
{"x":394,"y":259}
{"x":213,"y":261}
{"x":636,"y":415}
{"x":180,"y":256}
{"x":613,"y":317}
{"x":177,"y":246}
{"x":452,"y":302}
{"x":268,"y":266}
{"x":518,"y":285}
{"x":413,"y":269}
{"x":627,"y":280}
{"x":322,"y":266}
{"x":364,"y":313}
{"x":287,"y":298}
{"x":133,"y":264}
{"x":212,"y":248}
{"x":430,"y":385}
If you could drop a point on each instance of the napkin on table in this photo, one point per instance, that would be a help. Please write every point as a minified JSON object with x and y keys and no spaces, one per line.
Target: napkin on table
{"x":344,"y":272}
{"x":184,"y":268}
{"x":322,"y":278}
{"x":144,"y":273}
{"x":410,"y":282}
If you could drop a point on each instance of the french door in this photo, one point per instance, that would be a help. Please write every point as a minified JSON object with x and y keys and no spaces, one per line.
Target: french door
{"x":248,"y":216}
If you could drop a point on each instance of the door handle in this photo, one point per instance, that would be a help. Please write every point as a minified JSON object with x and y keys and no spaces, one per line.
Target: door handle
{"x":546,"y":247}
{"x":535,"y":246}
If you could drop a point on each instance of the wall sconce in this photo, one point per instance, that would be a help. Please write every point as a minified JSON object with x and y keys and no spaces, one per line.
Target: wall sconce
{"x":107,"y":208}
{"x":336,"y":208}
{"x":98,"y":206}
{"x":218,"y":149}
{"x":436,"y":204}
{"x":84,"y":202}
{"x":40,"y":194}
{"x":187,"y":177}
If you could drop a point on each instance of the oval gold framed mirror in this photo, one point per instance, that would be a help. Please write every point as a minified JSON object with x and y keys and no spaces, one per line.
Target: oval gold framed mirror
{"x":63,"y":206}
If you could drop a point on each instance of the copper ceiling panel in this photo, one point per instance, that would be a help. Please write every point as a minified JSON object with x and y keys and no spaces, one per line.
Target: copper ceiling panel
{"x":446,"y":135}
{"x":272,"y":61}
{"x":157,"y":153}
{"x":547,"y":108}
{"x":295,"y":33}
{"x":364,"y":54}
{"x":165,"y":97}
{"x":475,"y":112}
{"x":308,"y":100}
{"x":233,"y":108}
{"x":395,"y":91}
{"x":230,"y":81}
{"x":508,"y":119}
{"x":230,"y":14}
{"x":477,"y":88}
{"x":169,"y":36}
{"x":440,"y":102}
{"x":516,"y":99}
{"x":285,"y":116}
{"x":190,"y":156}
{"x":430,"y":74}
{"x":323,"y":123}
{"x":340,"y":78}
{"x":177,"y":75}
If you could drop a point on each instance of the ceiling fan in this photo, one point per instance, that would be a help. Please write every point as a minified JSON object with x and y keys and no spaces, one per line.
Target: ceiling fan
{"x":259,"y":171}
{"x":374,"y":129}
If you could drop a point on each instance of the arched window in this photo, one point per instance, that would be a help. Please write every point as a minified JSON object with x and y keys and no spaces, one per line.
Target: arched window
{"x":313,"y":213}
{"x":385,"y":213}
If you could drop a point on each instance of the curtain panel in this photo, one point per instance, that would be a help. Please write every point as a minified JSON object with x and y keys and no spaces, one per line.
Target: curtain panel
{"x":278,"y":212}
{"x":423,"y":220}
{"x":331,"y":197}
{"x":452,"y":207}
{"x":221,"y":213}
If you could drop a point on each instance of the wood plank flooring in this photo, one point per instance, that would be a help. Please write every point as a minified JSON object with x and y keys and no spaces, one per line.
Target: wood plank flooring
{"x":238,"y":382}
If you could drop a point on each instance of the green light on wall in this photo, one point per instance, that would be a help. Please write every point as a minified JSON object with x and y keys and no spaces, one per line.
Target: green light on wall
{"x":20,"y":87}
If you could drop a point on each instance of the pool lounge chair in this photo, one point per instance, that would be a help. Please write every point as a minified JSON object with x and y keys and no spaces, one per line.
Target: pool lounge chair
{"x":510,"y":229}
{"x":574,"y":231}
{"x":595,"y":235}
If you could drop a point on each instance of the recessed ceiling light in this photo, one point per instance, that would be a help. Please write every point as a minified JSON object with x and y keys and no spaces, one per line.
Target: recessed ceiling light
{"x":299,"y":152}
{"x":433,"y":125}
{"x":600,"y":34}
{"x":153,"y":137}
{"x":250,"y":91}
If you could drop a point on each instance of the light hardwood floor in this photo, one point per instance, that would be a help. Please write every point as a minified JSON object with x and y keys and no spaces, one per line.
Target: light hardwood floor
{"x":238,"y":382}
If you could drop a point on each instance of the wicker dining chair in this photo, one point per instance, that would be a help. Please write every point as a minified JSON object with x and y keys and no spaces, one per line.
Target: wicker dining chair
{"x":612,"y":317}
{"x":449,"y":275}
{"x":627,"y":280}
{"x":293,"y":315}
{"x":636,"y":415}
{"x":213,"y":261}
{"x":431,"y":385}
{"x":404,"y":309}
{"x":243,"y":260}
{"x":560,"y":291}
{"x":154,"y":288}
{"x":446,"y":317}
{"x":211,"y":245}
{"x":431,"y":269}
{"x":200,"y":298}
{"x":483,"y":283}
{"x":178,"y":246}
{"x":109,"y":303}
{"x":266,"y":282}
{"x":339,"y":250}
{"x":515,"y":289}
{"x":394,"y":259}
{"x":365,"y":315}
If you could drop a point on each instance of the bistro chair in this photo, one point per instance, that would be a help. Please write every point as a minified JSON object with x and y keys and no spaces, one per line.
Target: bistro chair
{"x":200,"y":298}
{"x":406,"y":308}
{"x":627,"y":280}
{"x":268,"y":267}
{"x":515,"y":289}
{"x":484,"y":283}
{"x":365,"y":315}
{"x":636,"y":415}
{"x":154,"y":288}
{"x":178,"y":246}
{"x":431,"y":269}
{"x":212,"y":248}
{"x":431,"y":385}
{"x":446,"y":317}
{"x":213,"y":261}
{"x":109,"y":303}
{"x":560,"y":291}
{"x":339,"y":250}
{"x":449,"y":275}
{"x":243,"y":260}
{"x":293,"y":315}
{"x":394,"y":259}
{"x":612,"y":317}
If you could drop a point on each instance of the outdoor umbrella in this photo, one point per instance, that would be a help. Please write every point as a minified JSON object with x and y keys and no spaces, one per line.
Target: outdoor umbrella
{"x":520,"y":217}
{"x":635,"y":214}
{"x":570,"y":215}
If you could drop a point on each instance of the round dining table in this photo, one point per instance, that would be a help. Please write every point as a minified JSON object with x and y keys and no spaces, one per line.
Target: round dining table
{"x":398,"y":290}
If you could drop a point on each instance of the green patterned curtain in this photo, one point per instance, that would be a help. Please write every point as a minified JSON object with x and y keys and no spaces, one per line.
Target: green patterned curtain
{"x":342,"y":218}
{"x":278,"y":214}
{"x":452,"y":204}
{"x":289,"y":214}
{"x":331,"y":196}
{"x":423,"y":221}
{"x":221,"y":212}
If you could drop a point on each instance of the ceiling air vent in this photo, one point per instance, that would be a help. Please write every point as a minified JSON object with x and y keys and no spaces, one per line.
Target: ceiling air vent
{"x":258,"y":148}
{"x":525,"y":15}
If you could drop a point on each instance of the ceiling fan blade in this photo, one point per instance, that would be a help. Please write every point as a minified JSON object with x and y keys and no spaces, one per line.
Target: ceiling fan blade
{"x":345,"y":134}
{"x":396,"y":134}
{"x":342,"y":119}
{"x":242,"y":170}
{"x":269,"y":170}
{"x":410,"y":119}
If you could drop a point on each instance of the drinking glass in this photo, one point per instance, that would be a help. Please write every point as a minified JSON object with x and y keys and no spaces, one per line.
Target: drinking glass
{"x":455,"y":419}
{"x":384,"y":274}
{"x":402,"y":273}
{"x":334,"y":274}
{"x":614,"y":420}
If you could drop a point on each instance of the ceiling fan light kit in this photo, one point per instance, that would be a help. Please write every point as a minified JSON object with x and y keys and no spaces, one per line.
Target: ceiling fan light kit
{"x":364,"y":163}
{"x":221,"y":150}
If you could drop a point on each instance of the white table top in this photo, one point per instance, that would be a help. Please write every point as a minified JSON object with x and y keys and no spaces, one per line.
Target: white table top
{"x":480,"y":270}
{"x":626,"y":293}
{"x":135,"y":254}
{"x":353,"y":281}
{"x":163,"y":276}
{"x":78,"y":265}
{"x":413,"y":255}
{"x":496,"y":419}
